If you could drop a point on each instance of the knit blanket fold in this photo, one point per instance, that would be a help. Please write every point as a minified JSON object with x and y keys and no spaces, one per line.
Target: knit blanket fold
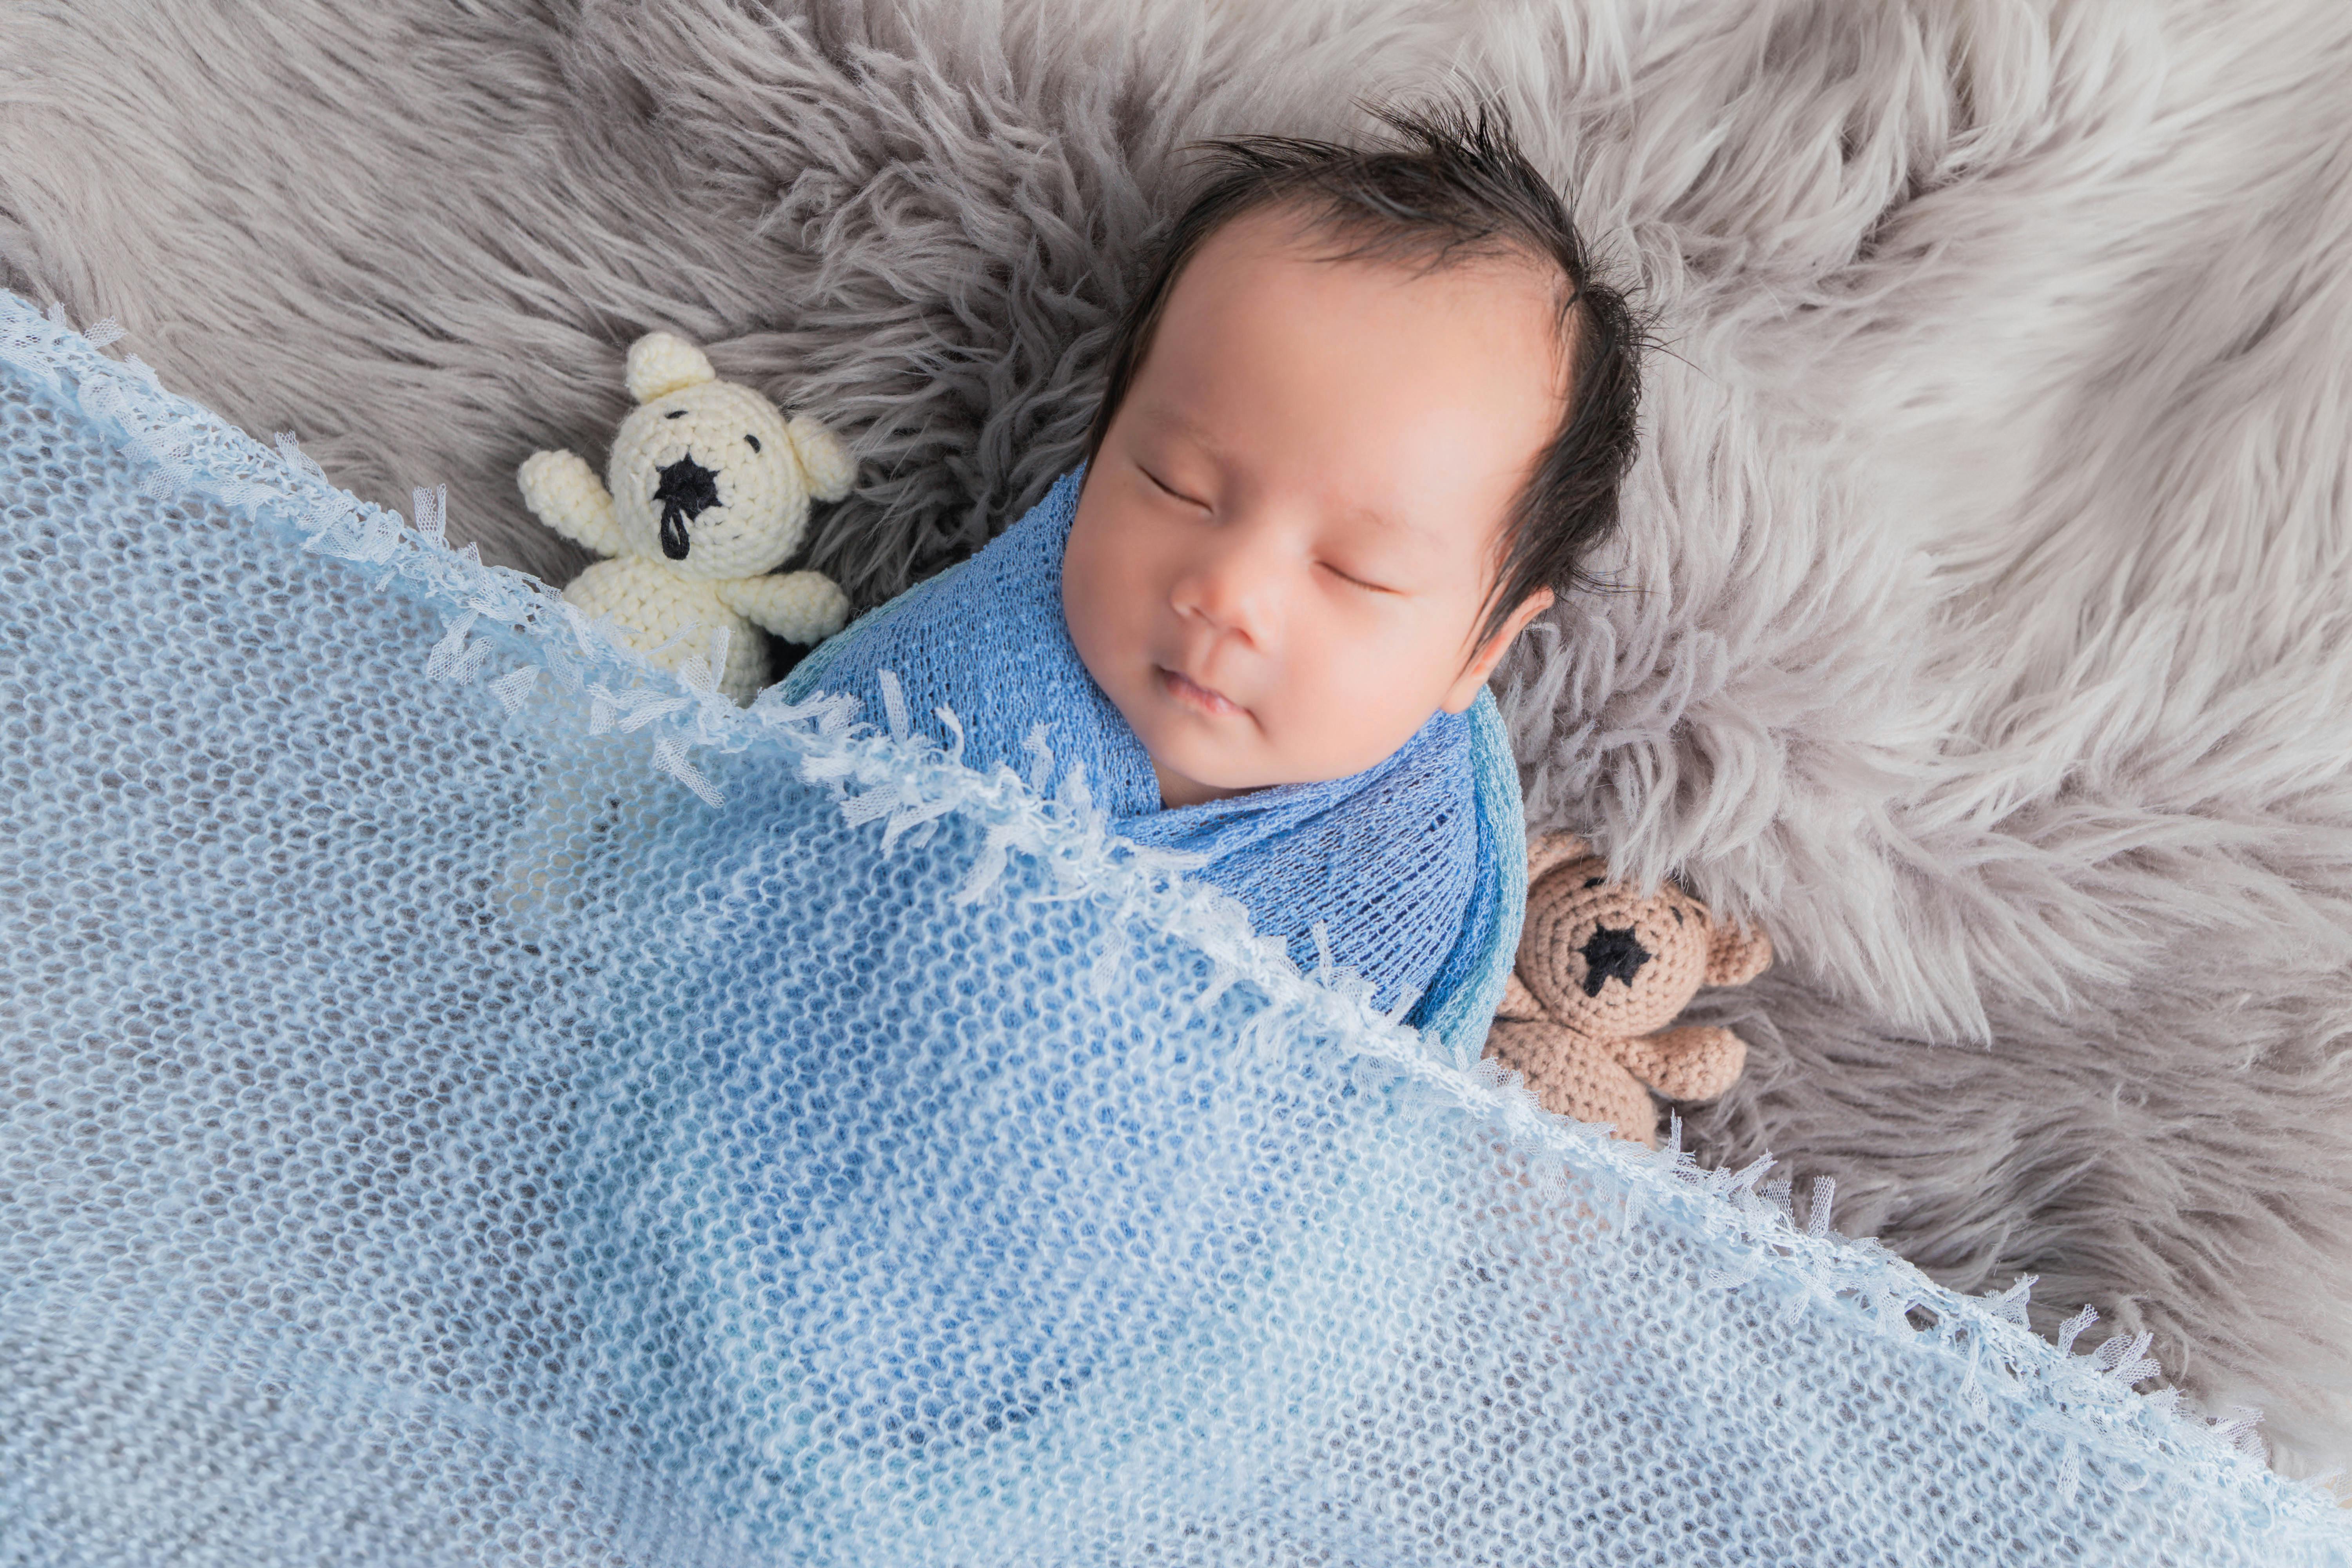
{"x":467,"y":1098}
{"x":1389,"y":873}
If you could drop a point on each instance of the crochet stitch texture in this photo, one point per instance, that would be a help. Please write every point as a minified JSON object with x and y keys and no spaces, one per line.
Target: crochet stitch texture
{"x":706,"y":492}
{"x":1602,"y":968}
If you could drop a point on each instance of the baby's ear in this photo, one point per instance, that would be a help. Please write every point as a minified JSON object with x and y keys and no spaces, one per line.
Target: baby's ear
{"x":1735,"y":957}
{"x":830,"y":469}
{"x":1465,"y":690}
{"x":662,"y":362}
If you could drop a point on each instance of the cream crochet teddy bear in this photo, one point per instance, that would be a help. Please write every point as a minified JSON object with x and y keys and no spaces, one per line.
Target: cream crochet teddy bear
{"x":709,"y":490}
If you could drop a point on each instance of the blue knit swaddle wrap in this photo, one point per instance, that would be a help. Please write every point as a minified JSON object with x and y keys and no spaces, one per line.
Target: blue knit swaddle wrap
{"x":1387,"y":861}
{"x":469,"y":1099}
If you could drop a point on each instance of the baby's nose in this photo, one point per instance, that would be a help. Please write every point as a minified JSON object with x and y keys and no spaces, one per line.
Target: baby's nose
{"x":1231,"y":588}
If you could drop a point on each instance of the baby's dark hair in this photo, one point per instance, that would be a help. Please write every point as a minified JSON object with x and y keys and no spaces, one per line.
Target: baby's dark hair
{"x":1451,"y":186}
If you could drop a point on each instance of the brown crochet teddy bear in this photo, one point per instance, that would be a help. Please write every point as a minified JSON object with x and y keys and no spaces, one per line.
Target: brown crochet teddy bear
{"x":1601,"y":972}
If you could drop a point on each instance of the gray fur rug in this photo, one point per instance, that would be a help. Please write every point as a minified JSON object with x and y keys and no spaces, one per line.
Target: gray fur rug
{"x":1991,"y":631}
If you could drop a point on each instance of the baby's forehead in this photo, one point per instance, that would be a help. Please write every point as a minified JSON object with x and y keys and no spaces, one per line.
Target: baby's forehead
{"x":1410,"y":304}
{"x":1492,"y":268}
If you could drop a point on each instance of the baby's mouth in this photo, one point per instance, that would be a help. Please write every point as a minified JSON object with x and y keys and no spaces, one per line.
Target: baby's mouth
{"x":1192,"y":694}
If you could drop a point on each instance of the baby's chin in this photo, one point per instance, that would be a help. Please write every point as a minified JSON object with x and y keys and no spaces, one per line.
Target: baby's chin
{"x":1214,"y":747}
{"x":1236,"y":764}
{"x":1201,"y":755}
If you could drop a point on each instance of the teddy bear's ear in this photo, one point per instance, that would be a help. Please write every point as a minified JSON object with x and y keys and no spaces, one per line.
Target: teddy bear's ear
{"x":664,"y":361}
{"x":1546,"y":850}
{"x":830,"y":469}
{"x":1736,"y":957}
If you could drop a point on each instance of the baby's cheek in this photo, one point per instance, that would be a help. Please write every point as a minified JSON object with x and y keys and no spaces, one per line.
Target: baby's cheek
{"x":1346,"y":708}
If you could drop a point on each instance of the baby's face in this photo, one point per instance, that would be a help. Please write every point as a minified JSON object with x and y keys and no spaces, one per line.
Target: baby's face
{"x":1282,"y":555}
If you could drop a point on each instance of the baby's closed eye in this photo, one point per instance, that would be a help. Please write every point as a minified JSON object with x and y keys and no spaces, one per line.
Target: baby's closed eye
{"x":1172,"y":493}
{"x":1353,"y":579}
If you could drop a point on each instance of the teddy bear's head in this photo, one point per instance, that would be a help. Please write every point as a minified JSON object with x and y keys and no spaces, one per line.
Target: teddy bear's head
{"x":706,"y":475}
{"x":1611,"y":963}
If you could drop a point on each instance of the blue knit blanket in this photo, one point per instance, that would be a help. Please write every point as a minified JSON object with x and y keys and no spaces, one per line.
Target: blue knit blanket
{"x":1378,"y":874}
{"x":467,"y":1097}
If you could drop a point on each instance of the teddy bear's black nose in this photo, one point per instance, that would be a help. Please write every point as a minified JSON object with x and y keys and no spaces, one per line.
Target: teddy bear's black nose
{"x":687,"y":491}
{"x":1612,"y":950}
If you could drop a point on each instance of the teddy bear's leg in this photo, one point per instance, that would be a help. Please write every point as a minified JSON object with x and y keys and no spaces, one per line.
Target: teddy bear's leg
{"x":1572,"y":1076}
{"x":1696,"y":1061}
{"x":745,"y":670}
{"x":1631,"y":1114}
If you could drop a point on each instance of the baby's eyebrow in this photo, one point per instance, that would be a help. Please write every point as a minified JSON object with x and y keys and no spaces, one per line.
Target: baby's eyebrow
{"x":1402,"y":530}
{"x":1176,"y":417}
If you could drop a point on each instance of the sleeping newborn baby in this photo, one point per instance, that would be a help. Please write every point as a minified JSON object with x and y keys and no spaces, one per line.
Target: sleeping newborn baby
{"x":1364,"y":420}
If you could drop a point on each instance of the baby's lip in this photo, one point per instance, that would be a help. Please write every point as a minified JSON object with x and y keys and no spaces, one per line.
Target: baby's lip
{"x":1192,"y":694}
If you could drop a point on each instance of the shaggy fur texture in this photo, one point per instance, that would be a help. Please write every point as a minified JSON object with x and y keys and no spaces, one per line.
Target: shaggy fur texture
{"x":1984,"y":623}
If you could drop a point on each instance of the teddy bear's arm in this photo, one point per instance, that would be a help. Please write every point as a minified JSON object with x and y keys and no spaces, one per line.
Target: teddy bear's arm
{"x":563,"y":493}
{"x":830,"y":469}
{"x":798,"y":606}
{"x":1519,"y":1002}
{"x":1696,"y":1061}
{"x":1575,"y":1077}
